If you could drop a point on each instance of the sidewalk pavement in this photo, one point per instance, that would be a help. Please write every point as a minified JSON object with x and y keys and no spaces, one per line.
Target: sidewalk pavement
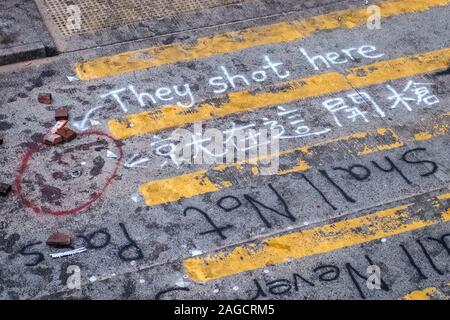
{"x":23,"y":35}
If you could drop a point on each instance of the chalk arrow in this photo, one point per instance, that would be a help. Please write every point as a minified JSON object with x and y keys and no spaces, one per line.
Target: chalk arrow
{"x":82,"y":125}
{"x":72,"y":78}
{"x":110,"y":154}
{"x":135,"y":161}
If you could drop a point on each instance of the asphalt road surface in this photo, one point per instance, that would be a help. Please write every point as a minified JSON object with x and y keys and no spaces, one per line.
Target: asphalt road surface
{"x":357,"y":207}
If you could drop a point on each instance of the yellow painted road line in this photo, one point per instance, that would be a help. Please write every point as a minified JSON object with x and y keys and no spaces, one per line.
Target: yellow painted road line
{"x":360,"y":144}
{"x":318,"y":240}
{"x":286,"y":92}
{"x":425,"y":294}
{"x":186,"y":186}
{"x":244,"y":39}
{"x":440,"y":128}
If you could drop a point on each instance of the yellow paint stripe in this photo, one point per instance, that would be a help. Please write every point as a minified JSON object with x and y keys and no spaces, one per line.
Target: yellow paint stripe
{"x":440,"y":129}
{"x":444,"y":197}
{"x":382,"y":147}
{"x":244,"y":39}
{"x":294,"y":90}
{"x":425,"y":294}
{"x":186,"y":186}
{"x":360,"y":144}
{"x":314,"y":241}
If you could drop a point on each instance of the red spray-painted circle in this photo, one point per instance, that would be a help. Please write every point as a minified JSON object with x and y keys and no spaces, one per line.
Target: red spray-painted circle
{"x":37,"y":207}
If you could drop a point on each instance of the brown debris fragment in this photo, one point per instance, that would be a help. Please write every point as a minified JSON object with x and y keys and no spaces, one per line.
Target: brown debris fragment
{"x":4,"y":189}
{"x":67,"y":134}
{"x":45,"y":98}
{"x":52,"y":139}
{"x":59,"y":239}
{"x":58,"y":125}
{"x":62,"y":114}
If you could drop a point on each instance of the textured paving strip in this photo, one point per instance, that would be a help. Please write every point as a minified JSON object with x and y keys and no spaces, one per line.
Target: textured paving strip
{"x":290,"y":91}
{"x":98,"y":15}
{"x":248,"y":38}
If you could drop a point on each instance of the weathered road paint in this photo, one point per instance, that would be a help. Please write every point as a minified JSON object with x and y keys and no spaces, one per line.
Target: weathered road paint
{"x":440,"y":128}
{"x":244,"y":39}
{"x":425,"y":294}
{"x":282,"y":93}
{"x":360,"y":144}
{"x":317,"y":240}
{"x":184,"y":186}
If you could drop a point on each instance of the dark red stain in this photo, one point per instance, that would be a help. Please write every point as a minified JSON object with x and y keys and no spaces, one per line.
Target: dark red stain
{"x":40,"y":147}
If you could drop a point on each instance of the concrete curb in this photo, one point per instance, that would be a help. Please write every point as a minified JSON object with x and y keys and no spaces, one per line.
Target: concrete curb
{"x":23,"y":34}
{"x":21,"y":53}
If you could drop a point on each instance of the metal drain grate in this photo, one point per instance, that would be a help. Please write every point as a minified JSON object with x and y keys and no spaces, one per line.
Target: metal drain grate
{"x":101,"y":14}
